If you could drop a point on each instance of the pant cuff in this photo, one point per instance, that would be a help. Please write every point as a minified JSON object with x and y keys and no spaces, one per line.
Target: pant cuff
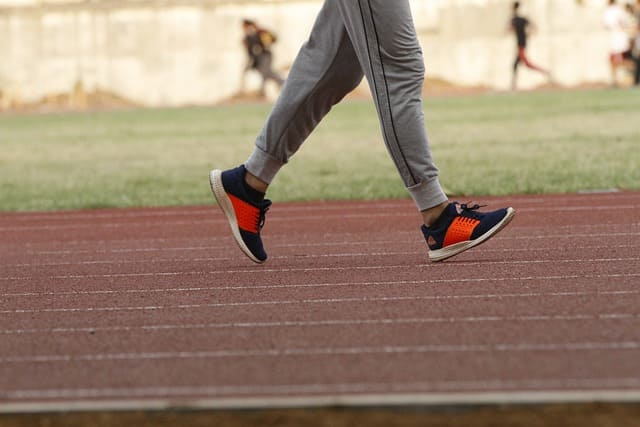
{"x":427,"y":194}
{"x":262,"y":165}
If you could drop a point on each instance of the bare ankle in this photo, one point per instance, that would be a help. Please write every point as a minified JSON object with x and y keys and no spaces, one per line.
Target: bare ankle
{"x":255,"y":182}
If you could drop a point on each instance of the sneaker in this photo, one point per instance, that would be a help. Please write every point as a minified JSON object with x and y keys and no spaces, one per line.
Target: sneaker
{"x":246,"y":217}
{"x":461,"y":227}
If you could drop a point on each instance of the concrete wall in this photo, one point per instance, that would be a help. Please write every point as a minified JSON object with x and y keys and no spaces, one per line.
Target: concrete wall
{"x":176,"y":52}
{"x":466,"y":41}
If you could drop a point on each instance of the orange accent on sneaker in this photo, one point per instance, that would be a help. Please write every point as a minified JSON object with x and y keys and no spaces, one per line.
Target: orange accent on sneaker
{"x":248,"y":216}
{"x":460,"y":230}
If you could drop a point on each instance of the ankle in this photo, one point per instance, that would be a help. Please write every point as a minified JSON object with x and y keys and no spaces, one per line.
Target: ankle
{"x":255,"y":183}
{"x":431,"y":215}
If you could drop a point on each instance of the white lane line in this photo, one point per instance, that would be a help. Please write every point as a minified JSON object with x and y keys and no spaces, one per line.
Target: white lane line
{"x":513,"y":236}
{"x":346,"y":239}
{"x":575,"y":208}
{"x":281,"y":217}
{"x":408,"y":238}
{"x":338,"y":207}
{"x":327,"y":351}
{"x":209,"y":221}
{"x":218,"y":247}
{"x":259,"y":270}
{"x":211,"y":259}
{"x":333,"y":322}
{"x":202,"y":210}
{"x":623,"y":293}
{"x":284,"y":257}
{"x":190,"y":289}
{"x":208,"y":238}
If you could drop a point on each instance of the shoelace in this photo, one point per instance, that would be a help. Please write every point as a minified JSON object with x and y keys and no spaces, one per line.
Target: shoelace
{"x":470,"y":210}
{"x":263,"y":211}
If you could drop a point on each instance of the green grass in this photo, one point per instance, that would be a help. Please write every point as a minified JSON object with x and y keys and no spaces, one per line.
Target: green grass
{"x":540,"y":142}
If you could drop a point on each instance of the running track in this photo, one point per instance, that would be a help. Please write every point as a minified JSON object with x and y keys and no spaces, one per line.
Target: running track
{"x":153,"y":307}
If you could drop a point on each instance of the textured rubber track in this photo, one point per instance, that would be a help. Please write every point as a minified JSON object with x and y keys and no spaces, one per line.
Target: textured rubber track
{"x":144,"y":304}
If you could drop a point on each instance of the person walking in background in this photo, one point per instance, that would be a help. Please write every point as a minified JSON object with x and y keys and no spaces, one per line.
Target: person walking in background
{"x":617,"y":23}
{"x":521,"y":27}
{"x":257,"y":42}
{"x":352,"y":39}
{"x":636,"y":43}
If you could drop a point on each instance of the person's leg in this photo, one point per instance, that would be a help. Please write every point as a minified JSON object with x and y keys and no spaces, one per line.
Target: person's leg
{"x":263,"y":63}
{"x":265,"y":68}
{"x":614,"y":60}
{"x":324,"y":71}
{"x":263,"y":84}
{"x":349,"y":37}
{"x":387,"y":46}
{"x":523,"y":57}
{"x":514,"y":76}
{"x":386,"y":43}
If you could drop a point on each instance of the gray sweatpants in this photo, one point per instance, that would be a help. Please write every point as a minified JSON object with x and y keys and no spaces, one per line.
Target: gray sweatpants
{"x":351,"y":39}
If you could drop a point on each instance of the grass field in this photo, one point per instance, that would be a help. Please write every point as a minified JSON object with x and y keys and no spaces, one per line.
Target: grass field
{"x":538,"y":142}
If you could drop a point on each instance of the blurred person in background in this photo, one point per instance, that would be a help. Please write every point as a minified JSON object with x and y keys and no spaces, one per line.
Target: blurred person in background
{"x":636,"y":43}
{"x":618,"y":22}
{"x":522,"y":27}
{"x":350,"y":40}
{"x":258,"y":42}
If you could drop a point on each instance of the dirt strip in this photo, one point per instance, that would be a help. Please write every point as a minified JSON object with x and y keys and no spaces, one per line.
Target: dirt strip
{"x":566,"y":415}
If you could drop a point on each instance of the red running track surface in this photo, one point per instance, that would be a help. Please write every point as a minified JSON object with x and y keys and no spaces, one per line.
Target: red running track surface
{"x":159,"y":305}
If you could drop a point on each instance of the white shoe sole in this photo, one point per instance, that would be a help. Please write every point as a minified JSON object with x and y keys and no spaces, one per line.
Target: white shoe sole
{"x":215,"y":179}
{"x":456,"y":248}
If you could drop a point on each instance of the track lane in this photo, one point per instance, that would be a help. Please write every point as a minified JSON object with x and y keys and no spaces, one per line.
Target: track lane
{"x":150,"y":303}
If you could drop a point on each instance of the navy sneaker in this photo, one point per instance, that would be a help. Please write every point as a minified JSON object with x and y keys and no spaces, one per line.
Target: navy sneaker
{"x":245,"y":216}
{"x":461,"y":227}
